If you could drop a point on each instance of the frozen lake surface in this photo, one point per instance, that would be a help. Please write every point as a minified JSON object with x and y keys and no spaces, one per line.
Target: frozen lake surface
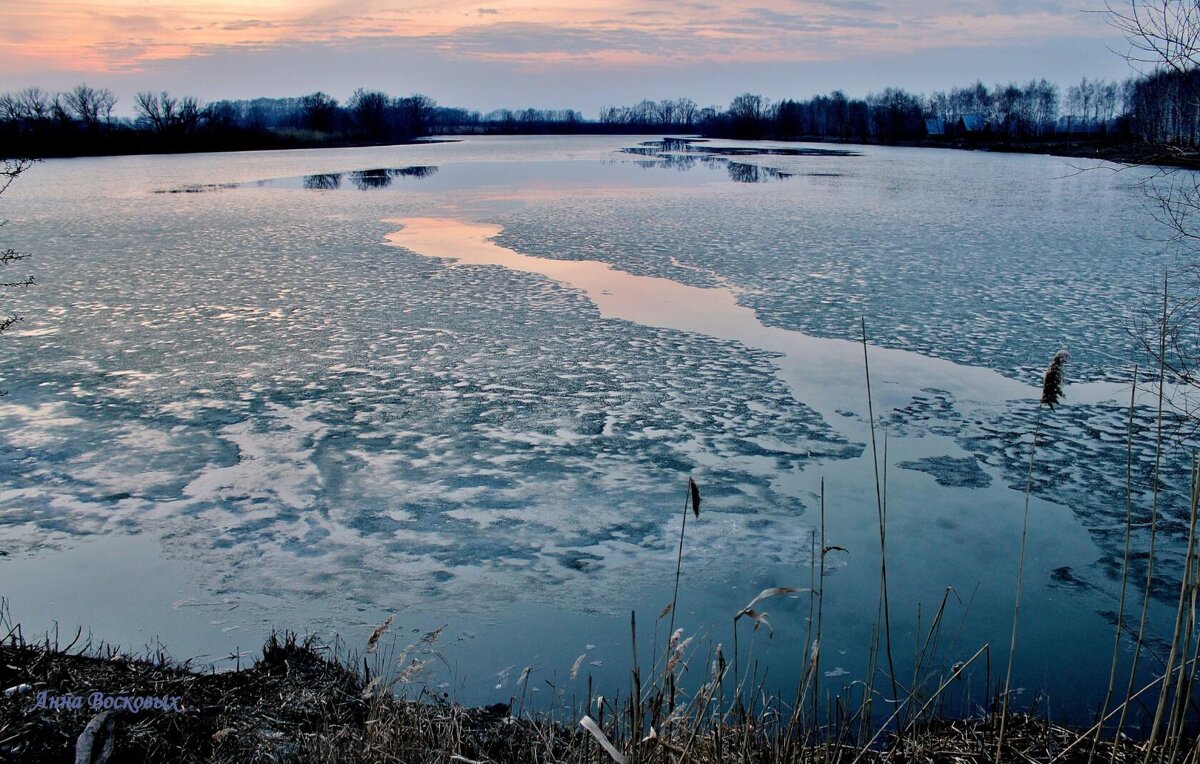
{"x":466,"y":383}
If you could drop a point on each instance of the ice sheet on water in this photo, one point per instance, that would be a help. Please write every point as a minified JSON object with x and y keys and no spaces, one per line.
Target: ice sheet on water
{"x":951,"y":471}
{"x":975,"y":261}
{"x":312,"y":413}
{"x":331,"y":414}
{"x":1079,"y":462}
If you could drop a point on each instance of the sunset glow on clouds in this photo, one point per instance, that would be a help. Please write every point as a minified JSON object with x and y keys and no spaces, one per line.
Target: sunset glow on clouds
{"x":133,"y":41}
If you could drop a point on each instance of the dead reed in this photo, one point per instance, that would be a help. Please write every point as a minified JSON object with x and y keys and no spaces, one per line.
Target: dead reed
{"x":1052,"y":392}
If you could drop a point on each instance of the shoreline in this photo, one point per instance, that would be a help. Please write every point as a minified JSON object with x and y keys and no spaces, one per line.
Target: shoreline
{"x":301,"y":702}
{"x":1117,"y":152}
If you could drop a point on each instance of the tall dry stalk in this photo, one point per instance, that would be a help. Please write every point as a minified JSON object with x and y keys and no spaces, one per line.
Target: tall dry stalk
{"x":926,"y":649}
{"x":882,"y":513}
{"x":1191,"y":583}
{"x":636,"y":714}
{"x":1051,"y":393}
{"x":1012,"y":647}
{"x":760,"y":619}
{"x":692,"y":501}
{"x":1112,"y":673}
{"x":1158,"y":442}
{"x":1180,"y":617}
{"x":814,"y":646}
{"x":811,"y":624}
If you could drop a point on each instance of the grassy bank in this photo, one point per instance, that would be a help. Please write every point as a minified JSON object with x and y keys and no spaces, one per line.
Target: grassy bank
{"x":300,"y":703}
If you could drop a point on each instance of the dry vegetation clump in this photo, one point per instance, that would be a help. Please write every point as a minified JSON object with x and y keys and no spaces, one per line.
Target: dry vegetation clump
{"x":262,"y":713}
{"x":1026,"y":739}
{"x":295,"y":704}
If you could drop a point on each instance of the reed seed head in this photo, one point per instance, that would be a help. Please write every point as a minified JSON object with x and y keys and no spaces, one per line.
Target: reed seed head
{"x":1052,"y":390}
{"x":575,"y":666}
{"x":380,"y":630}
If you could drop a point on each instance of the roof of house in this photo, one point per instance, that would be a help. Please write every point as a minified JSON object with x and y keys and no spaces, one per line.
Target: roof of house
{"x":974,"y":122}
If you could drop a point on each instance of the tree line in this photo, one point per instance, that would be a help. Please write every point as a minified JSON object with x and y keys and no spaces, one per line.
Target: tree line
{"x":1159,"y":108}
{"x":1165,"y":108}
{"x":35,"y":122}
{"x":1034,"y":111}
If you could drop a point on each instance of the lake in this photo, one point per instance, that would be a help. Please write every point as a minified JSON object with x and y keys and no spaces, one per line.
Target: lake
{"x":466,"y":383}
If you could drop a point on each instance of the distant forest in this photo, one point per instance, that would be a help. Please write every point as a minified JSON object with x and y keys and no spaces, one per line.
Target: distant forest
{"x":1158,"y":109}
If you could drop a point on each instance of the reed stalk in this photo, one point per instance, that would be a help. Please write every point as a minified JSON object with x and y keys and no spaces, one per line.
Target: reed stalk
{"x":1158,"y":443}
{"x":1181,"y":616}
{"x":814,"y":646}
{"x":1183,"y":691}
{"x":1051,"y":393}
{"x":1112,"y":673}
{"x":693,"y":499}
{"x":1012,"y":646}
{"x":881,"y":509}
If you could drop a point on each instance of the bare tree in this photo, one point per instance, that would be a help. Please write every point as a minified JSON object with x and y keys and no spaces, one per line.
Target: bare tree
{"x":1164,"y":37}
{"x":1047,"y":105}
{"x":9,"y":170}
{"x":370,"y":111}
{"x":318,"y":111}
{"x":1008,"y":109}
{"x":747,"y":115}
{"x":685,"y":109}
{"x":666,"y":112}
{"x":60,"y":111}
{"x":34,"y":104}
{"x":1074,"y":102}
{"x":168,"y":115}
{"x":414,"y":114}
{"x":1161,"y":33}
{"x":91,"y":106}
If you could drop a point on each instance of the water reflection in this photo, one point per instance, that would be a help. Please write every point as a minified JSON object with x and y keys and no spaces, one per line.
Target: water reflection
{"x":688,"y":153}
{"x":325,"y":182}
{"x":366,"y":180}
{"x":416,"y":171}
{"x":739,"y":172}
{"x":200,"y":188}
{"x":697,"y":146}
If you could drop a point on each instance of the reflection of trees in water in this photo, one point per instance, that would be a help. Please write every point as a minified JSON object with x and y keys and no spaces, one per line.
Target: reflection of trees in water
{"x":680,"y":162}
{"x":382,"y":178}
{"x":696,"y":146}
{"x":365,"y":180}
{"x":752,"y":173}
{"x":684,"y":154}
{"x":677,"y":144}
{"x":416,"y":171}
{"x":326,"y":182}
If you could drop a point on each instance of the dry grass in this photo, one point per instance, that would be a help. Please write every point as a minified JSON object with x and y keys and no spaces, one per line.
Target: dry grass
{"x":290,"y":694}
{"x":296,"y":704}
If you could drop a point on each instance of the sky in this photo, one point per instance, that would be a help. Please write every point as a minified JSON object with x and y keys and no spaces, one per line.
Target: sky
{"x":583,"y":54}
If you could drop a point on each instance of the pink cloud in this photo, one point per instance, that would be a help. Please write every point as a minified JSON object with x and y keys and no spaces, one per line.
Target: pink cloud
{"x":114,"y":35}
